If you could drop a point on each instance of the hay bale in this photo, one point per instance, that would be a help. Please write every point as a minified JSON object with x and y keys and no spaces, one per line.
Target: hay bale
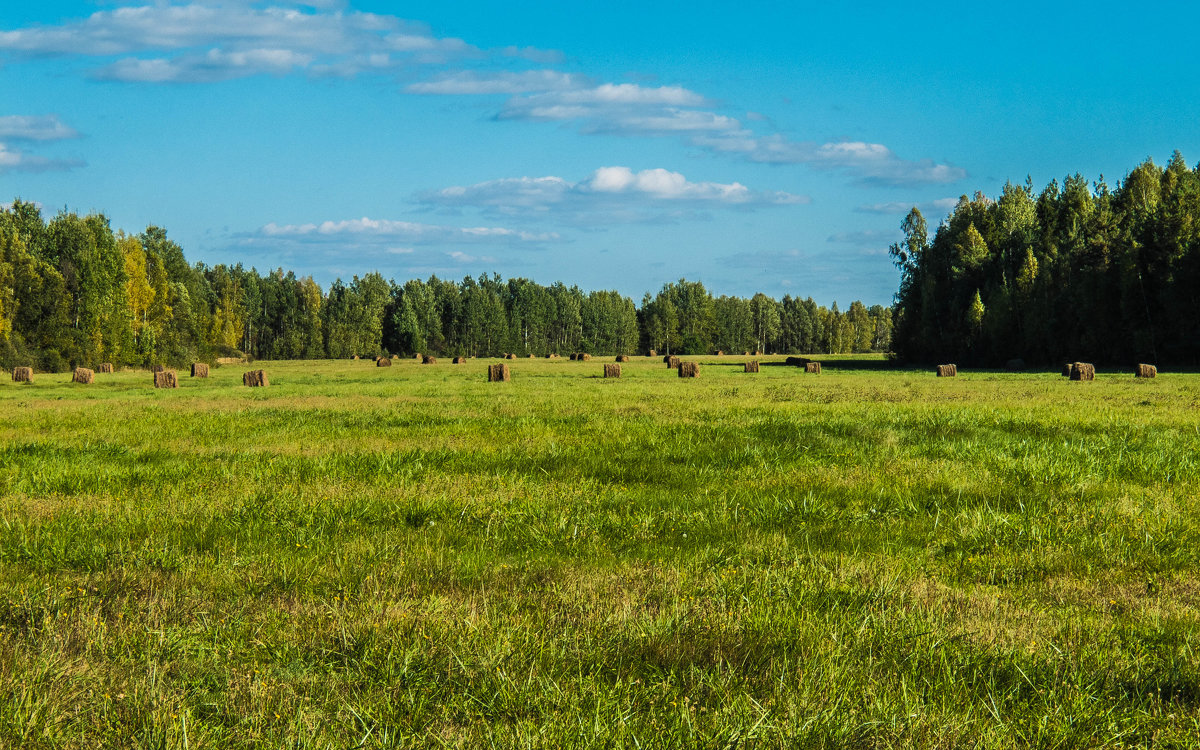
{"x":689,"y":369}
{"x":157,"y":368}
{"x":395,"y":356}
{"x":947,"y":371}
{"x":166,"y":379}
{"x":354,"y":357}
{"x":1015,"y":364}
{"x":1067,"y":369}
{"x":83,"y":375}
{"x":672,"y":363}
{"x":585,"y":357}
{"x":22,"y":374}
{"x":612,"y":371}
{"x":1145,"y":371}
{"x":752,"y":366}
{"x":652,"y":353}
{"x":428,"y":360}
{"x":499,"y":373}
{"x":667,"y":358}
{"x":531,"y":356}
{"x":255,"y":379}
{"x":813,"y":367}
{"x":720,"y":353}
{"x":745,"y":354}
{"x":418,"y":356}
{"x":574,"y":356}
{"x":459,"y":361}
{"x":106,"y":367}
{"x":383,"y":362}
{"x":199,"y":370}
{"x":622,"y":357}
{"x":510,"y":355}
{"x":757,"y":353}
{"x":1083,"y":371}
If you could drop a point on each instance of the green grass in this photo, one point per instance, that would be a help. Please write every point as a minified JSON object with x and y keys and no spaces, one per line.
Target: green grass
{"x":411,"y":556}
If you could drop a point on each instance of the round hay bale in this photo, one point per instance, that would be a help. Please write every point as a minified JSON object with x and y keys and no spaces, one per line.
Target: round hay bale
{"x":105,"y":367}
{"x":612,"y":371}
{"x":720,"y":353}
{"x":531,"y":356}
{"x":1083,"y":371}
{"x":83,"y":375}
{"x":813,"y":367}
{"x":672,"y":363}
{"x":459,"y":360}
{"x":947,"y":371}
{"x":652,"y":353}
{"x":689,"y":369}
{"x":622,"y":357}
{"x":1145,"y":371}
{"x":428,"y":360}
{"x":510,"y":355}
{"x":166,"y":379}
{"x":255,"y":379}
{"x":1067,"y":369}
{"x":418,"y":356}
{"x":355,"y":357}
{"x":22,"y":374}
{"x":499,"y":373}
{"x":395,"y":356}
{"x":199,"y":370}
{"x":667,"y":358}
{"x":383,"y":362}
{"x":751,"y":366}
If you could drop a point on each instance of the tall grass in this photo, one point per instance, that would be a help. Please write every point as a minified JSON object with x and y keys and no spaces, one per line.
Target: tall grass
{"x":411,"y":556}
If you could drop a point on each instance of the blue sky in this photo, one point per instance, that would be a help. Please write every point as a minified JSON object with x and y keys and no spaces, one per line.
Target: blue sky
{"x":762,"y":146}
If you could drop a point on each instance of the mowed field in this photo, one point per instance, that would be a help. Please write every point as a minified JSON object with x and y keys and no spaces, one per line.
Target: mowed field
{"x":414,"y":557}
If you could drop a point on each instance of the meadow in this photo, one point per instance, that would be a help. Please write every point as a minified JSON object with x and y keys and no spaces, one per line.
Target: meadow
{"x":414,"y":557}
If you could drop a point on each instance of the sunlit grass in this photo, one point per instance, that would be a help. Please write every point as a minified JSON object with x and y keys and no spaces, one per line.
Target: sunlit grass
{"x":361,"y":556}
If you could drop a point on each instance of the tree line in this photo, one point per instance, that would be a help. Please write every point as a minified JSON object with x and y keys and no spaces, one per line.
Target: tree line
{"x":75,"y":292}
{"x":1078,"y":271}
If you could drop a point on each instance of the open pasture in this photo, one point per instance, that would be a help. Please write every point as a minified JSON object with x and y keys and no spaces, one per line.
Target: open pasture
{"x":357,"y":556}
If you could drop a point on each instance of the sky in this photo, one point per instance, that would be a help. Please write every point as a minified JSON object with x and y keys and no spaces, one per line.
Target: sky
{"x":756,"y":146}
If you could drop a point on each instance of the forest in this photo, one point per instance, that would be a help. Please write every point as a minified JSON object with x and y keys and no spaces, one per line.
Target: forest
{"x":74,"y":292}
{"x":1078,"y":271}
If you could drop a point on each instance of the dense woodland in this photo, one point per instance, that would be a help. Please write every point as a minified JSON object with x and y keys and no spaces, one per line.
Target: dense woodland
{"x":1076,"y":272}
{"x":75,"y":292}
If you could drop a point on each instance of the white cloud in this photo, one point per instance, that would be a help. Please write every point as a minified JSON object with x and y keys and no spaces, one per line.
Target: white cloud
{"x":938,"y":206}
{"x":388,"y":231}
{"x":14,"y":160}
{"x":610,"y":194}
{"x":473,"y":83}
{"x":211,"y":41}
{"x":34,"y":128}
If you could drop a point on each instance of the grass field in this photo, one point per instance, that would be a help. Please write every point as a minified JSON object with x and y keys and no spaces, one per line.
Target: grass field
{"x":411,"y":556}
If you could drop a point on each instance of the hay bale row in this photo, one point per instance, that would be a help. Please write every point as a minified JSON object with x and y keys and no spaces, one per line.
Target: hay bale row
{"x":255,"y":379}
{"x":612,"y":371}
{"x":752,"y":366}
{"x":1083,"y":371}
{"x":947,"y":371}
{"x":105,"y":367}
{"x":199,"y":370}
{"x":429,"y":360}
{"x":166,"y":379}
{"x":22,"y":374}
{"x":1145,"y":371}
{"x":689,"y":369}
{"x":383,"y":362}
{"x":672,"y":363}
{"x":622,"y":357}
{"x":83,"y":375}
{"x":813,"y":367}
{"x":499,"y":373}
